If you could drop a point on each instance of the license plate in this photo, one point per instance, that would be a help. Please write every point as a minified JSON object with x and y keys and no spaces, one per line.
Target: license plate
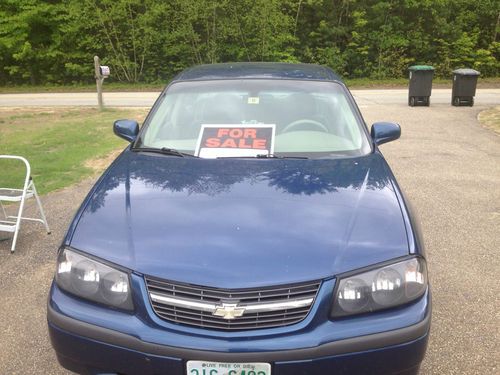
{"x":223,"y":368}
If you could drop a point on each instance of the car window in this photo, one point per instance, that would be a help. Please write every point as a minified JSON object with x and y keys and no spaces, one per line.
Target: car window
{"x":310,"y":118}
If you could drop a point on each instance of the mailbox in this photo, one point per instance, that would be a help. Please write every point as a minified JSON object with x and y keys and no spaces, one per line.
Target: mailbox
{"x":104,"y":70}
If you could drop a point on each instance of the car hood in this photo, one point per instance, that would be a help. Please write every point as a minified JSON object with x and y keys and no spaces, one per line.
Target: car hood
{"x":236,"y":223}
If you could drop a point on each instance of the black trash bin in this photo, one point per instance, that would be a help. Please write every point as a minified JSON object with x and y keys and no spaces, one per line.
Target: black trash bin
{"x":420,"y":87}
{"x":464,"y":87}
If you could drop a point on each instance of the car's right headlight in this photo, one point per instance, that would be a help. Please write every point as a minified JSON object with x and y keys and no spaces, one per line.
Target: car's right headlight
{"x":93,"y":280}
{"x":383,"y":287}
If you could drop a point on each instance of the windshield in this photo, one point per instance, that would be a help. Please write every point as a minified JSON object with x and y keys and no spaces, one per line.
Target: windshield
{"x":257,"y":117}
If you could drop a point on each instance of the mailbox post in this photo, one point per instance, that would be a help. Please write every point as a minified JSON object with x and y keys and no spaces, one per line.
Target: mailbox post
{"x":101,"y":72}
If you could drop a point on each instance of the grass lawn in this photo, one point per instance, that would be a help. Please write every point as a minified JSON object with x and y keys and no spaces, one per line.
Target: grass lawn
{"x":63,"y":145}
{"x":107,"y":87}
{"x":491,"y":119}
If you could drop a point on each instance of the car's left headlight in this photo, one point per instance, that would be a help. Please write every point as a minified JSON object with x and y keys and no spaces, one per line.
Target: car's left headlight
{"x":380,"y":288}
{"x":93,"y":280}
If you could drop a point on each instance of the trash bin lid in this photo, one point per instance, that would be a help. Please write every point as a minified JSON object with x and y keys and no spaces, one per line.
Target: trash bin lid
{"x":466,"y":72}
{"x":421,"y":67}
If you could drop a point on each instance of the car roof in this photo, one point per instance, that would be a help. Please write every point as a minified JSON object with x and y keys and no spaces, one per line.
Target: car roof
{"x":256,"y":70}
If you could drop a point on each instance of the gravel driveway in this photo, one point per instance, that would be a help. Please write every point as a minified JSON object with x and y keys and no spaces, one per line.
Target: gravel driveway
{"x":449,"y":167}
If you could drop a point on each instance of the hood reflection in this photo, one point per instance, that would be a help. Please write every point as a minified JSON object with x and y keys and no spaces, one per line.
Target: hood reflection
{"x":214,"y":177}
{"x":242,"y":222}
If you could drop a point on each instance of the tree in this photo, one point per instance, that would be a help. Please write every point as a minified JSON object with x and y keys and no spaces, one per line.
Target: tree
{"x":54,"y":41}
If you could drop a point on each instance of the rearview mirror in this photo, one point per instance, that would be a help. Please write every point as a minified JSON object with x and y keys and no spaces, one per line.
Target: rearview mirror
{"x":383,"y":132}
{"x":126,"y":129}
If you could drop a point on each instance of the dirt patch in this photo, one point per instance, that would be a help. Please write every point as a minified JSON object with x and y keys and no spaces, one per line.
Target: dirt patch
{"x":491,"y":119}
{"x":100,"y":164}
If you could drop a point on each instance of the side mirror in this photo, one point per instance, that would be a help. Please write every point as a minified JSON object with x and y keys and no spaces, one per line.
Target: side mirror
{"x":383,"y":132}
{"x":126,"y":129}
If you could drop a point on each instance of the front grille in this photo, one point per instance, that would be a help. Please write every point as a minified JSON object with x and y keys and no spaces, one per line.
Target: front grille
{"x":264,"y":308}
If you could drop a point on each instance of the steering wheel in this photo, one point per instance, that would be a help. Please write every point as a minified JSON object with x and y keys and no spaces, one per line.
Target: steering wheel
{"x":305,"y":121}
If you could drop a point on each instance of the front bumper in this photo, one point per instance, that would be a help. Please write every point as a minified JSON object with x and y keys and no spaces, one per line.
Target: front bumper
{"x":105,"y":346}
{"x":87,"y":356}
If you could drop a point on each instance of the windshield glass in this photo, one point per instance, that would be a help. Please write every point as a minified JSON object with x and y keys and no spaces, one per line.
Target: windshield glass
{"x":293,"y":118}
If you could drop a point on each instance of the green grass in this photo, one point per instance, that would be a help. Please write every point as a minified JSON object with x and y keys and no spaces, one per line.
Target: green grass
{"x":58,"y":143}
{"x":108,"y":87}
{"x":355,"y":83}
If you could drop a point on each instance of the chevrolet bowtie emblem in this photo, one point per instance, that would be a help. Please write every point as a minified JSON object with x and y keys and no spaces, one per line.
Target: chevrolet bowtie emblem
{"x":229,"y":311}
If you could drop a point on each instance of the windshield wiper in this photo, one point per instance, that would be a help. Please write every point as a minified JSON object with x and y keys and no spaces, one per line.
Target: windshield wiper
{"x":164,"y":151}
{"x":273,"y":156}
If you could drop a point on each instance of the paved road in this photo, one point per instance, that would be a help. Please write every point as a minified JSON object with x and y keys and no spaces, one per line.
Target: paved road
{"x":146,"y":99}
{"x":449,"y":167}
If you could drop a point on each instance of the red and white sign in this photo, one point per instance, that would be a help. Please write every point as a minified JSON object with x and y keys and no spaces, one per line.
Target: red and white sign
{"x":235,"y":140}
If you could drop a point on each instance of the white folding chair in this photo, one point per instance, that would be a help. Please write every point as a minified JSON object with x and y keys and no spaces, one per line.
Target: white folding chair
{"x":13,"y":223}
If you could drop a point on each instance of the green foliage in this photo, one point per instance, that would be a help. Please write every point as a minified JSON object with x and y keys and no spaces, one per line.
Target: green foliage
{"x":54,"y":41}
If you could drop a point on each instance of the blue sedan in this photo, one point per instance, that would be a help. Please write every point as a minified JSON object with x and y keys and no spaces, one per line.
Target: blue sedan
{"x":251,"y":227}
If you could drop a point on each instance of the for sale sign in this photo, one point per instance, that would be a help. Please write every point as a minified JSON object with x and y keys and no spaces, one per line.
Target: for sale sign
{"x":235,"y":140}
